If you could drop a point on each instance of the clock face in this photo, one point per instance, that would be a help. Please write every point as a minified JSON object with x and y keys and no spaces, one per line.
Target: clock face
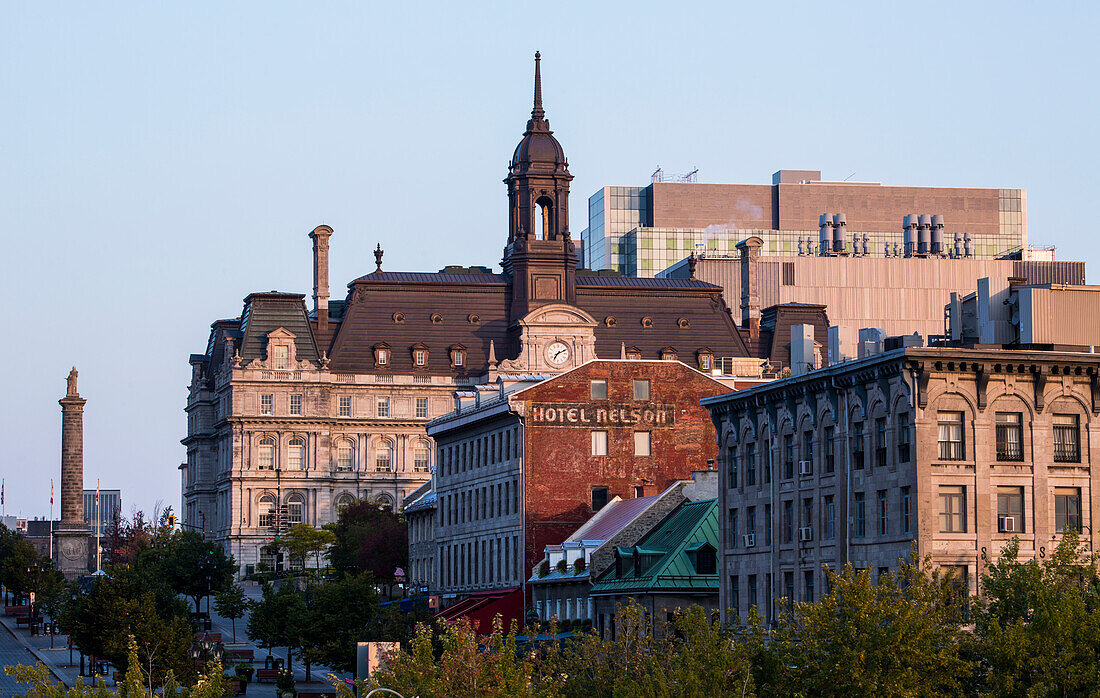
{"x":557,"y":353}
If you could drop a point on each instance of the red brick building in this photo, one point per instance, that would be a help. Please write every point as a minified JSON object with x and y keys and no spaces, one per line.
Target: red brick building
{"x":523,"y":465}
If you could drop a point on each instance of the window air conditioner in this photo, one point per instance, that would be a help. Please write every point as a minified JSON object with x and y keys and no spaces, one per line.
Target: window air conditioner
{"x":749,"y":540}
{"x":806,"y":533}
{"x":805,"y":467}
{"x":1006,"y":524}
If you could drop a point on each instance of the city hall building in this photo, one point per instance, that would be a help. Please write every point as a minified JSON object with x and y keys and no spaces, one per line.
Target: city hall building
{"x":523,"y":465}
{"x":293,"y":411}
{"x":954,"y":450}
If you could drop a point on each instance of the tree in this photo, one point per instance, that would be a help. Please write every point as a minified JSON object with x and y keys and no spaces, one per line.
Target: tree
{"x":1038,"y":624}
{"x":42,"y":686}
{"x":369,"y":538}
{"x":897,"y":637}
{"x":337,"y":616}
{"x":196,"y":567}
{"x":303,"y":540}
{"x":16,"y":556}
{"x":231,"y":603}
{"x":102,"y":621}
{"x":278,"y":619}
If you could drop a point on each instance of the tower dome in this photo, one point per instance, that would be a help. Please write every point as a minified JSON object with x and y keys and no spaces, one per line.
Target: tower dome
{"x":538,"y":150}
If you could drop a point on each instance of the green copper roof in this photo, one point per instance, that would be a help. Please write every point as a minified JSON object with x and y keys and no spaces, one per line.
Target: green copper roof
{"x":689,"y":530}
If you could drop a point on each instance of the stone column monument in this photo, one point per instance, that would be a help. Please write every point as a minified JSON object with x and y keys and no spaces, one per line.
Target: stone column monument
{"x":71,"y":538}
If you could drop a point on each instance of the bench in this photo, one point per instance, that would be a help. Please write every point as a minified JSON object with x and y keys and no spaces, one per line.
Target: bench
{"x":211,"y":637}
{"x":16,"y":610}
{"x":240,"y":654}
{"x":23,"y":620}
{"x":237,"y":687}
{"x":266,"y":675}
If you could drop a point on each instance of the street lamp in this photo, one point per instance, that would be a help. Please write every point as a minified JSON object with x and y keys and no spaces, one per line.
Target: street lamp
{"x":33,"y":571}
{"x":204,"y":650}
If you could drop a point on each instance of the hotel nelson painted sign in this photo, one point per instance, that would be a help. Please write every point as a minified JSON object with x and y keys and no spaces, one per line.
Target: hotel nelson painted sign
{"x":559,"y":414}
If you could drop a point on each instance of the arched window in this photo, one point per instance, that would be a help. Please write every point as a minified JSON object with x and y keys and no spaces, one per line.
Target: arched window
{"x":344,"y":457}
{"x":265,"y":510}
{"x":267,"y":453}
{"x":295,"y":507}
{"x":343,"y":502}
{"x":383,"y":461}
{"x":420,"y":457}
{"x":296,"y":454}
{"x":385,"y":501}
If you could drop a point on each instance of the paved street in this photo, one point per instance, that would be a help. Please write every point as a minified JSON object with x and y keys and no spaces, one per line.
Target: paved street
{"x":18,"y":647}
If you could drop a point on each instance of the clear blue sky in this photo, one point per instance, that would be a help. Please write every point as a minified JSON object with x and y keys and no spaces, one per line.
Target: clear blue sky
{"x":158,"y":161}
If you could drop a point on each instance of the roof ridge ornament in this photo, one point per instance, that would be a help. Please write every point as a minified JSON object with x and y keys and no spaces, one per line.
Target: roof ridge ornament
{"x":378,"y":256}
{"x":537,"y":113}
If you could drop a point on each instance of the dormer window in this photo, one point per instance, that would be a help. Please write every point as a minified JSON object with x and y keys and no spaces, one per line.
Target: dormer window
{"x":280,"y":349}
{"x":634,"y":354}
{"x":280,"y":355}
{"x":668,"y":354}
{"x":458,"y":356}
{"x":704,"y":557}
{"x":706,"y":359}
{"x":419,"y":355}
{"x":381,"y":354}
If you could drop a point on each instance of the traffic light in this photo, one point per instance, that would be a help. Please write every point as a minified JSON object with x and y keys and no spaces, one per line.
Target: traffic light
{"x":172,"y":521}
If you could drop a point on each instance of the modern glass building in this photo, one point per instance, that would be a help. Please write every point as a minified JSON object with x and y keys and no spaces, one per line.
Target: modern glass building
{"x":641,"y":231}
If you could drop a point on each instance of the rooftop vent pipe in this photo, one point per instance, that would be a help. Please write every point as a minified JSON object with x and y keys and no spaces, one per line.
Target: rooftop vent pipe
{"x":910,"y":235}
{"x":937,"y":234}
{"x":825,"y":222}
{"x":924,"y":233}
{"x":840,"y":226}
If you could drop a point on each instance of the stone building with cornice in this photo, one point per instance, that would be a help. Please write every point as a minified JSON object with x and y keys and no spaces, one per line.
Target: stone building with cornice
{"x":293,"y":412}
{"x":952,"y":450}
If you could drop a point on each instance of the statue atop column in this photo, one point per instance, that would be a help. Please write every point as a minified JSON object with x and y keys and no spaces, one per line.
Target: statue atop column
{"x":71,"y":538}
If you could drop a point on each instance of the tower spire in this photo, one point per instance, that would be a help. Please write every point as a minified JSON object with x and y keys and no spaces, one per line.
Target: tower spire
{"x":537,"y":113}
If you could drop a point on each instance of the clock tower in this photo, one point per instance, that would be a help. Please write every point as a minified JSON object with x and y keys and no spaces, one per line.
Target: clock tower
{"x":540,"y":257}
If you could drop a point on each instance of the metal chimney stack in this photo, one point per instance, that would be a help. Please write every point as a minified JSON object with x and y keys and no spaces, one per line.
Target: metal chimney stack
{"x":924,"y":233}
{"x":825,"y":222}
{"x":937,"y":234}
{"x":840,"y":223}
{"x":967,"y":247}
{"x":866,"y":247}
{"x":910,"y":235}
{"x":958,"y":244}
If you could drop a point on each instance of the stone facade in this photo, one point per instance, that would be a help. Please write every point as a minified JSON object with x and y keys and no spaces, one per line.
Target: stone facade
{"x":307,"y":439}
{"x":953,"y":451}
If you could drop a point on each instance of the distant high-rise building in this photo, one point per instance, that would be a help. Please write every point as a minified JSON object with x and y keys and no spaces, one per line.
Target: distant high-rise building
{"x":639,"y":231}
{"x":110,"y":506}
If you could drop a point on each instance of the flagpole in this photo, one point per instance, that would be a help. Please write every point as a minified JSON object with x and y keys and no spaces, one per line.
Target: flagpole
{"x":51,"y":519}
{"x":98,"y":524}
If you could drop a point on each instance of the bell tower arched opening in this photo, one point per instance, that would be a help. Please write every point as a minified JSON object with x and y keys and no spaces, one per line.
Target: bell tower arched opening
{"x":544,"y":219}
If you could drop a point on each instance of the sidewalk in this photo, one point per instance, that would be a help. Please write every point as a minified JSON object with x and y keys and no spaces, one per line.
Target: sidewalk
{"x":57,"y":659}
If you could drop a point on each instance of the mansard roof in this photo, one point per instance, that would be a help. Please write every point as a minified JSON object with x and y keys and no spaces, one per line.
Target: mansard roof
{"x":266,"y":312}
{"x":472,"y":309}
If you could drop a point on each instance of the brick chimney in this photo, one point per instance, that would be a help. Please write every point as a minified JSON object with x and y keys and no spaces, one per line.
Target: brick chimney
{"x":320,"y":236}
{"x":750,"y":283}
